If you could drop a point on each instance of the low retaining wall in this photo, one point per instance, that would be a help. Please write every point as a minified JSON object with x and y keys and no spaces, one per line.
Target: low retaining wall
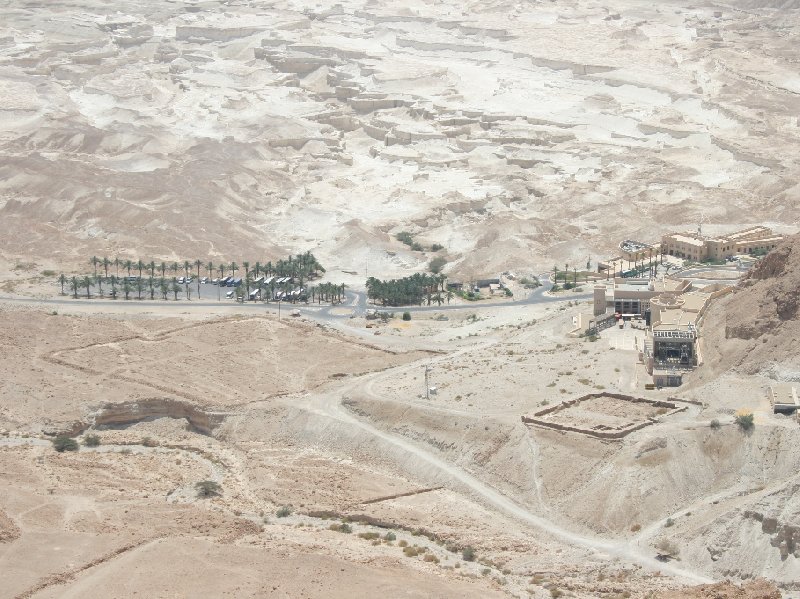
{"x":536,"y":419}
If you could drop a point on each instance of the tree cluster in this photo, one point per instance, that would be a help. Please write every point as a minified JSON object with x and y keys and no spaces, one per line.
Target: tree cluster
{"x":416,"y":289}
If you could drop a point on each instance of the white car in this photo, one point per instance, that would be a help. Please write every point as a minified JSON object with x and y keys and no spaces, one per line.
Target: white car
{"x":229,"y":295}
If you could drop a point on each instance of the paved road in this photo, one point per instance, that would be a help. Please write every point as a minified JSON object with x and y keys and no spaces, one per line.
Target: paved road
{"x":355,"y":301}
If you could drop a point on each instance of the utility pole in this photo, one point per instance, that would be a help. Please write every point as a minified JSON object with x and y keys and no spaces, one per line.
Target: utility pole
{"x":427,"y":386}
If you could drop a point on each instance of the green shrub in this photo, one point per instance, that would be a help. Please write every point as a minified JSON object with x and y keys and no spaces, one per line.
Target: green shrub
{"x":343,"y":527}
{"x":369,"y":536}
{"x":715,"y":424}
{"x":405,"y":237}
{"x":61,"y":444}
{"x":745,"y":421}
{"x":284,"y":511}
{"x":468,"y":554}
{"x":207,"y":488}
{"x":389,"y":536}
{"x":437,"y":264}
{"x":436,"y":247}
{"x":91,"y":440}
{"x":406,"y":315}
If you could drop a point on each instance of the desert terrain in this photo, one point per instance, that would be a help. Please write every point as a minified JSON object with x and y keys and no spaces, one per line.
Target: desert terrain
{"x":474,"y":449}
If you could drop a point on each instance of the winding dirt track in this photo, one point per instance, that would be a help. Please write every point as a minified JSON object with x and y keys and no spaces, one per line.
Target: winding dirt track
{"x":330,"y":406}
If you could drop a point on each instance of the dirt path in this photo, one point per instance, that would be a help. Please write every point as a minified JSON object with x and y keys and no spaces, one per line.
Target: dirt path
{"x":330,"y":406}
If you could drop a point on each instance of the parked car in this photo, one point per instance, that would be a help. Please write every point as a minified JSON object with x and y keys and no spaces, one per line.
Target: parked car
{"x":229,"y":295}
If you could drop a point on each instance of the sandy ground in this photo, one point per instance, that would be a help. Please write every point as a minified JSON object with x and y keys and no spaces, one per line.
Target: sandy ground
{"x":345,"y":432}
{"x":517,"y":136}
{"x":506,"y":133}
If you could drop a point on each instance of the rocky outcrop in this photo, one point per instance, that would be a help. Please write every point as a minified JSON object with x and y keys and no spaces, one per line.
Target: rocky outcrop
{"x":129,"y":412}
{"x":757,"y":589}
{"x":8,"y":530}
{"x":769,"y":295}
{"x":216,"y":34}
{"x":783,"y":536}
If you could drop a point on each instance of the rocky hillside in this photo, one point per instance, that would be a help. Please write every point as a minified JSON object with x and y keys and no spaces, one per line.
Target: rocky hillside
{"x":757,"y":589}
{"x":757,"y":328}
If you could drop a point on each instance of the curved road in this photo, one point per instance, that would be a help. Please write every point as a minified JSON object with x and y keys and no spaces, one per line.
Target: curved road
{"x":356,"y":300}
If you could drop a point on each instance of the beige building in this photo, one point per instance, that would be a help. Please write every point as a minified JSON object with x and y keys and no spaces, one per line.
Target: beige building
{"x":631,"y":297}
{"x":784,"y":398}
{"x":697,"y":247}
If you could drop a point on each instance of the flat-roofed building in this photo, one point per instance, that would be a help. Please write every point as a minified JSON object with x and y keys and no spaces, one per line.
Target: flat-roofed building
{"x":631,"y":297}
{"x":697,"y":247}
{"x":784,"y":398}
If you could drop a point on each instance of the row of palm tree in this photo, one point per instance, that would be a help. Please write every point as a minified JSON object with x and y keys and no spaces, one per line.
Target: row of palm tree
{"x":417,"y":289}
{"x":150,"y":286}
{"x":297,"y":269}
{"x":300,"y":266}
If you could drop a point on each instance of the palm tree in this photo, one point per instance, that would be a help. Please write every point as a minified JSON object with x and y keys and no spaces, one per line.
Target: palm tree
{"x":164,"y":287}
{"x":163,"y":268}
{"x":175,"y":288}
{"x":152,"y":268}
{"x":94,"y":261}
{"x":62,"y":279}
{"x":106,"y":264}
{"x":210,"y":269}
{"x":186,"y":266}
{"x":246,"y":267}
{"x":139,"y":288}
{"x":74,"y":283}
{"x":87,"y":283}
{"x":128,"y":264}
{"x":257,"y":268}
{"x":188,"y":291}
{"x":126,"y":287}
{"x":222,"y":271}
{"x":140,"y":266}
{"x":198,"y":264}
{"x":117,"y":262}
{"x":173,"y":268}
{"x":99,"y":281}
{"x":233,"y":267}
{"x":150,"y":283}
{"x":114,"y":286}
